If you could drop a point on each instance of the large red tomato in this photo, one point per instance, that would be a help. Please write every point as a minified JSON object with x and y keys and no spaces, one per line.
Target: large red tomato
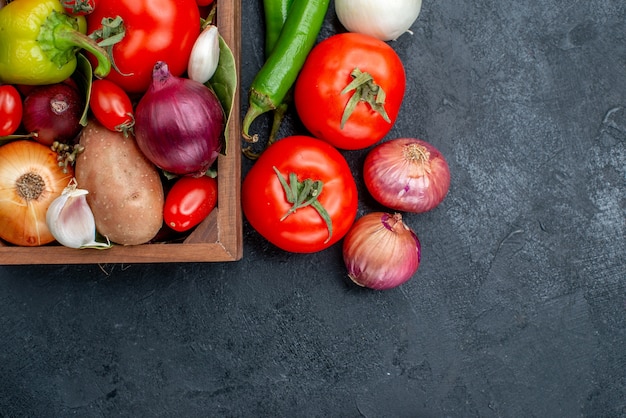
{"x":330,"y":67}
{"x":269,"y":205}
{"x":156,"y":30}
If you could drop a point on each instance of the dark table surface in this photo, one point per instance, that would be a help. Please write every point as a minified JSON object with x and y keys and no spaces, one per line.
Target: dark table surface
{"x":517,"y":310}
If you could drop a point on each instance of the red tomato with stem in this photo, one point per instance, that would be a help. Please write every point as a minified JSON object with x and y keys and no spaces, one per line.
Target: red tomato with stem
{"x":155,"y":30}
{"x":189,"y":202}
{"x":350,"y":118}
{"x":111,"y":105}
{"x":11,"y":109}
{"x":290,"y":187}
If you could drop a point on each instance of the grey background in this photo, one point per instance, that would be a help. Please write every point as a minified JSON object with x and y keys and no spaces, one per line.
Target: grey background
{"x":517,"y":310}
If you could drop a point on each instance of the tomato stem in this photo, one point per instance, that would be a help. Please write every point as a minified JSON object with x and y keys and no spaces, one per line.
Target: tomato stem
{"x":127,"y":127}
{"x":365,"y":90}
{"x":111,"y":32}
{"x":78,"y":6}
{"x":302,"y":194}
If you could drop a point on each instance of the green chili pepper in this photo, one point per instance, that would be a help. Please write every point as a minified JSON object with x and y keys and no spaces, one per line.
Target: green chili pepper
{"x":276,"y":12}
{"x":39,"y":42}
{"x":274,"y":80}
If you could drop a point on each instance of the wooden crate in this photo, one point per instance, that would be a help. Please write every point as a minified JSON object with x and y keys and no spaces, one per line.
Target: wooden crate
{"x":218,"y":238}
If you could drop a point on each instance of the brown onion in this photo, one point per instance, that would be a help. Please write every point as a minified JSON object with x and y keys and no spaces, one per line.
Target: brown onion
{"x":407,"y":174}
{"x":30,"y":180}
{"x":380,"y":251}
{"x":179,"y":123}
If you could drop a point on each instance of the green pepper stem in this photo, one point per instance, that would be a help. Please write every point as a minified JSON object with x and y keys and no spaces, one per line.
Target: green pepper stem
{"x":277,"y":120}
{"x":71,"y":38}
{"x":60,"y":40}
{"x":279,"y":115}
{"x":258,"y":105}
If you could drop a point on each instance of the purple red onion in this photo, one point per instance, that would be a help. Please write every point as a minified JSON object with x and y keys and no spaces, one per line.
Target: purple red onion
{"x":380,"y":251}
{"x":53,"y":112}
{"x":407,"y":174}
{"x":179,"y":123}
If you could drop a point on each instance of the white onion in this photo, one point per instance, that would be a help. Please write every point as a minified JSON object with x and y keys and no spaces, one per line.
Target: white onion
{"x":385,"y":20}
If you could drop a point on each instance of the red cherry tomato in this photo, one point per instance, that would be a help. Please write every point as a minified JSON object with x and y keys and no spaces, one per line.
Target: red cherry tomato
{"x":110,"y":104}
{"x":270,"y":210}
{"x":189,"y":202}
{"x":11,"y":109}
{"x":330,"y":67}
{"x":203,"y":3}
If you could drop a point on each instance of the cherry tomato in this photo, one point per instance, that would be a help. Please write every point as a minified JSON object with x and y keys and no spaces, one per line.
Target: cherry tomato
{"x":330,"y":67}
{"x":163,"y":30}
{"x":189,"y":202}
{"x":299,"y":160}
{"x":11,"y":109}
{"x":110,"y":104}
{"x":203,"y":3}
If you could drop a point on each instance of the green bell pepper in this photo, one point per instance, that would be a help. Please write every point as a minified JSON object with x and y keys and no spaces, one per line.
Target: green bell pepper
{"x":39,"y":43}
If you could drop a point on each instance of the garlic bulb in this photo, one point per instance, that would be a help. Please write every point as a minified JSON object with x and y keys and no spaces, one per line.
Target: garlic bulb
{"x":205,"y":55}
{"x":71,"y":221}
{"x":385,"y":20}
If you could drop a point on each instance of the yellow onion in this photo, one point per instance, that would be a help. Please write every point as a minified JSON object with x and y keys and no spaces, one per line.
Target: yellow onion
{"x":380,"y":251}
{"x":30,"y":179}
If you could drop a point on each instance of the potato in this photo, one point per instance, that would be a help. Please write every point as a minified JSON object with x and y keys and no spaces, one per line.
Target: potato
{"x":125,"y":190}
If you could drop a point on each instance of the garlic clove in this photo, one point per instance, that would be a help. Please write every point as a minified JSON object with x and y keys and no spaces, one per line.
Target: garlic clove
{"x":71,"y":221}
{"x":205,"y":55}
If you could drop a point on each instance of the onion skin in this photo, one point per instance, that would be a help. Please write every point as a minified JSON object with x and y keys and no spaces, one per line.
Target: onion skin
{"x":179,"y":124}
{"x":53,"y":112}
{"x":23,"y":218}
{"x":380,"y":251}
{"x":407,"y":174}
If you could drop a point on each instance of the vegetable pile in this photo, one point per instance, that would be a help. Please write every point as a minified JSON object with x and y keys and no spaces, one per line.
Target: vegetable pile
{"x":347,"y":90}
{"x":113,"y":120}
